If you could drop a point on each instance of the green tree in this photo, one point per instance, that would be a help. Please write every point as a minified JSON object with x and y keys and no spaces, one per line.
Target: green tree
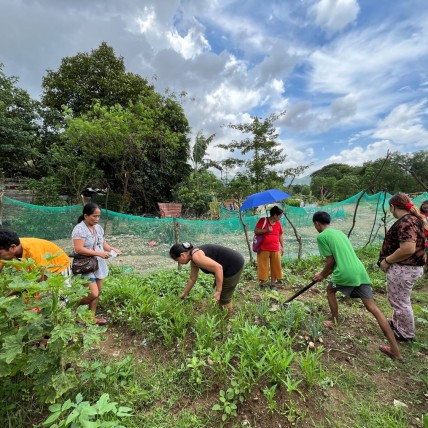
{"x":85,"y":79}
{"x":416,"y":164}
{"x":19,"y":130}
{"x":199,"y":153}
{"x":346,"y":187}
{"x":141,"y":150}
{"x":260,"y":151}
{"x":324,"y":180}
{"x":196,"y":192}
{"x":379,"y":175}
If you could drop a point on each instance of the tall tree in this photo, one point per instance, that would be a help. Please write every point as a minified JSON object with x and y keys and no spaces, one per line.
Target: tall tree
{"x":85,"y":79}
{"x":392,"y":178}
{"x":142,"y":150}
{"x":260,"y":150}
{"x":19,"y":130}
{"x":199,"y":153}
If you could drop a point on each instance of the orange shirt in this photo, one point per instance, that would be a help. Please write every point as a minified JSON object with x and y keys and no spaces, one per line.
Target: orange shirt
{"x":39,"y":249}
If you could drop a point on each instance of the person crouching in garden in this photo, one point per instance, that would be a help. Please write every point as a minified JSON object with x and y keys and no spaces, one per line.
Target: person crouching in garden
{"x":224,"y":263}
{"x":402,"y":257}
{"x":272,"y":248}
{"x":14,"y":248}
{"x":88,"y":240}
{"x":349,"y":276}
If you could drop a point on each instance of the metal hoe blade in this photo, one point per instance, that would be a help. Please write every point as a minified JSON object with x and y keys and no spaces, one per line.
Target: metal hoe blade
{"x":307,"y":287}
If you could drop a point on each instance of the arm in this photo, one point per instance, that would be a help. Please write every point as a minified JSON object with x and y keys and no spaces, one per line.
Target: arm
{"x":80,"y":249}
{"x":263,"y":230}
{"x":403,"y":252}
{"x":328,"y":269}
{"x":194,"y":272}
{"x":211,"y":266}
{"x":281,"y":243}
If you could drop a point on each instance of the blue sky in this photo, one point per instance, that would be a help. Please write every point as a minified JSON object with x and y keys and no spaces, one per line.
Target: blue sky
{"x":352,"y":75}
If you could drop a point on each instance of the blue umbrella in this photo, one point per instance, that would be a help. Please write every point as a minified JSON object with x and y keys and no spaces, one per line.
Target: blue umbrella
{"x":263,"y":198}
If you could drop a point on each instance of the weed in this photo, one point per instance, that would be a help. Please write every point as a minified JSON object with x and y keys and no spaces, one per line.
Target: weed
{"x":82,"y":413}
{"x":316,"y":326}
{"x":278,"y":362}
{"x":206,"y":330}
{"x":229,"y":399}
{"x":227,"y":404}
{"x":195,"y":367}
{"x":311,"y":366}
{"x":291,"y":411}
{"x":269,"y":393}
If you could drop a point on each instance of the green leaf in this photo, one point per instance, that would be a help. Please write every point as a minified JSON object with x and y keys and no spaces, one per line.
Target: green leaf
{"x":104,"y":406}
{"x":216,"y":407}
{"x":52,"y":418}
{"x":72,"y":416}
{"x":12,"y":347}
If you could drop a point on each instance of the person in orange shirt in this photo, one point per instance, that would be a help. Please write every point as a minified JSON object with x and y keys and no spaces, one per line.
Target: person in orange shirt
{"x":12,"y":247}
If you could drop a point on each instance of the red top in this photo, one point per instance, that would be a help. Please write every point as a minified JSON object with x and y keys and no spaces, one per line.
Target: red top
{"x":270,"y":239}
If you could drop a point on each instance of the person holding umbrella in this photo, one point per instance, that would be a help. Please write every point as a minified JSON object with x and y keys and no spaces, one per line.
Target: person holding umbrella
{"x":272,"y":248}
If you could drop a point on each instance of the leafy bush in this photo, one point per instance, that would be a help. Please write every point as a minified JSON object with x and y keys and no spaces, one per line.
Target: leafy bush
{"x":41,"y":337}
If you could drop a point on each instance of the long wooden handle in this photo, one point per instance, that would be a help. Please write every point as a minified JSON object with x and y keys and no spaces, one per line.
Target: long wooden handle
{"x":307,"y":287}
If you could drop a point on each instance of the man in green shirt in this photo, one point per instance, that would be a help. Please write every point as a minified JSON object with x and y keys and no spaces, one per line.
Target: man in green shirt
{"x":349,"y":276}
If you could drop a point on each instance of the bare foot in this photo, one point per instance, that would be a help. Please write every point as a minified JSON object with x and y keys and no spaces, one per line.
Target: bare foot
{"x":328,"y":324}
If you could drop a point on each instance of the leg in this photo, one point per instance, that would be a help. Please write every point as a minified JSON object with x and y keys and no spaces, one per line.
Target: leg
{"x":263,"y":265}
{"x":400,"y":280}
{"x":332,"y":302}
{"x":228,"y":306}
{"x":93,"y":295}
{"x":275,"y":266}
{"x":93,"y":305}
{"x":384,"y":325}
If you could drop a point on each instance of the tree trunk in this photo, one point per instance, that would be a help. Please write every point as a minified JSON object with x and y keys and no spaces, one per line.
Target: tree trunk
{"x":246,"y":237}
{"x":298,"y":237}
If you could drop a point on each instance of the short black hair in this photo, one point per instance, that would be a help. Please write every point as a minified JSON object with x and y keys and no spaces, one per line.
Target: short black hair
{"x":8,"y":238}
{"x":275,"y":211}
{"x":321,"y":217}
{"x":176,"y":250}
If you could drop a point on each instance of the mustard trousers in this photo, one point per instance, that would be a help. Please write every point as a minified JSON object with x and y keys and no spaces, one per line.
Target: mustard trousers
{"x":266,"y":258}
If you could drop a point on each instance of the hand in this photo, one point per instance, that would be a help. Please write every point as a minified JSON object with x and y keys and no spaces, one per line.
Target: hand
{"x":318,"y":277}
{"x":282,"y":251}
{"x":216,"y":296}
{"x":384,"y":265}
{"x":118,"y":252}
{"x":104,"y":254}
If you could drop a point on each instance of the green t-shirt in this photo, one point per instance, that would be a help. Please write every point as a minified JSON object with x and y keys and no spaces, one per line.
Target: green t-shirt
{"x":348,"y":269}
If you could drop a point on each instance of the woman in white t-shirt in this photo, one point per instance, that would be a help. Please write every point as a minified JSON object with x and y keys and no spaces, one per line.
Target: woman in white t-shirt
{"x":88,"y":240}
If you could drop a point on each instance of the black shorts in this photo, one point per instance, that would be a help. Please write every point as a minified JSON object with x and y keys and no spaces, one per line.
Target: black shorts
{"x":363,"y":291}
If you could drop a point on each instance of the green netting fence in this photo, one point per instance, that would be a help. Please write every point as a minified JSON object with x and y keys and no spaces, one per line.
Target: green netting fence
{"x":145,"y":242}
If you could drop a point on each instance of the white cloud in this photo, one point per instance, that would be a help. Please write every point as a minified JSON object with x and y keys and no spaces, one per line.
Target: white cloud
{"x":146,"y":21}
{"x":404,"y":127}
{"x":189,"y":46}
{"x":358,"y":155}
{"x":334,"y":15}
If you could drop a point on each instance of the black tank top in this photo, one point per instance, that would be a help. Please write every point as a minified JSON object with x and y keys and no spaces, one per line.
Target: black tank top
{"x":231,"y":261}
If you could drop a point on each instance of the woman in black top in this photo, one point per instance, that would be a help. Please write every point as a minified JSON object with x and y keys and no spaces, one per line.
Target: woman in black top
{"x":222,"y":262}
